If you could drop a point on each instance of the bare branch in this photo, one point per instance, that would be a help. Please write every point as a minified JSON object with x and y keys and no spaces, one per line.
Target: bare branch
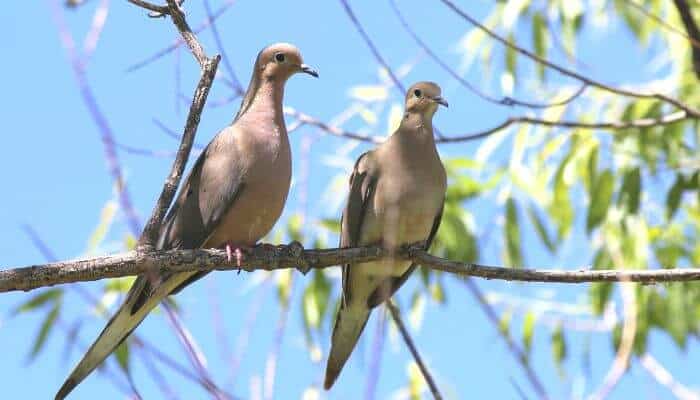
{"x":294,"y":256}
{"x":98,"y":116}
{"x":372,"y":47}
{"x":612,"y":125}
{"x":693,"y":32}
{"x":149,"y":236}
{"x":624,"y":352}
{"x":513,"y":347}
{"x":150,"y":233}
{"x":672,"y":118}
{"x":665,"y":378}
{"x":396,"y":315}
{"x":504,"y":101}
{"x":178,"y":42}
{"x":565,"y":71}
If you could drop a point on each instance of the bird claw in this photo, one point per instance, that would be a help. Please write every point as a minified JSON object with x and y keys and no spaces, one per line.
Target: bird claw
{"x":235,"y":251}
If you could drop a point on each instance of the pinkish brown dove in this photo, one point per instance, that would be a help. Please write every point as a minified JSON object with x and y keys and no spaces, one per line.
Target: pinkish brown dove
{"x":396,"y":196}
{"x":232,"y":197}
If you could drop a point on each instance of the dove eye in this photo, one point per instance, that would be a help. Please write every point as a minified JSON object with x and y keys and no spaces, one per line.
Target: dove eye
{"x":418,"y":93}
{"x":279,"y":57}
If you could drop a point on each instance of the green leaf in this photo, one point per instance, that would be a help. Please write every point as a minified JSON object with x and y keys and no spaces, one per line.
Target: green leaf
{"x":504,"y":323}
{"x":528,"y":331}
{"x":45,"y":329}
{"x":39,"y":300}
{"x":511,"y":57}
{"x":600,"y":200}
{"x":122,"y":354}
{"x":437,"y":292}
{"x":673,"y":197}
{"x":294,"y":228}
{"x":332,"y":224}
{"x":630,"y":192}
{"x":315,"y":300}
{"x":106,"y":218}
{"x":541,"y":229}
{"x":677,"y":314}
{"x":558,"y":347}
{"x":539,"y":37}
{"x":514,"y":257}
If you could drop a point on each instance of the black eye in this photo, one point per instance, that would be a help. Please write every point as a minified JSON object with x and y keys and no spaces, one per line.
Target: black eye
{"x":418,"y":93}
{"x":279,"y":57}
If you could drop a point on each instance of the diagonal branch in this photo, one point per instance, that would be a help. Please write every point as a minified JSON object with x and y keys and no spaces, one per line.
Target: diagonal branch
{"x":693,"y":32}
{"x":504,"y":101}
{"x":396,"y":315}
{"x":567,"y":72}
{"x":149,"y":236}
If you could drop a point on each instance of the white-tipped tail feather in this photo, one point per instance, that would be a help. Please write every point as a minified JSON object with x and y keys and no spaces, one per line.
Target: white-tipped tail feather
{"x":118,"y":328}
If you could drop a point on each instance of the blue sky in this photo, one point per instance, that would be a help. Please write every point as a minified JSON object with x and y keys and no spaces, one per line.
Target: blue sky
{"x":56,"y":180}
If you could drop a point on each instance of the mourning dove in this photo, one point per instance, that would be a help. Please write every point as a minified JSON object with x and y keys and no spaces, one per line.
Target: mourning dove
{"x":396,"y":196}
{"x":232,"y":197}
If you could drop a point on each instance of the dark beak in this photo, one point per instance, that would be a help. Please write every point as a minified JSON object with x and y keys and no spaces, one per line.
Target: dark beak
{"x":308,"y":70}
{"x":441,"y":101}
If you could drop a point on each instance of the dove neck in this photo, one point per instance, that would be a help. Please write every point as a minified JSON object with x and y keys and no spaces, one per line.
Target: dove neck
{"x":263,"y":95}
{"x":417,"y":126}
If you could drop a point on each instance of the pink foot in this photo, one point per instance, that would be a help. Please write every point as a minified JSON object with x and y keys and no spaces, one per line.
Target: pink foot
{"x":233,"y":250}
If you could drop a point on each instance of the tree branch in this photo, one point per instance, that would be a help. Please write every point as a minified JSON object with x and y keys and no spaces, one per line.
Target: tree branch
{"x":396,"y":316}
{"x":572,"y":74}
{"x":294,"y":256}
{"x":693,"y":32}
{"x":149,"y":237}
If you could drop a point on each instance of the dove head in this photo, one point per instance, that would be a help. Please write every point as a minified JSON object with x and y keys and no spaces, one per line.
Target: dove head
{"x":424,"y":98}
{"x":280,"y":61}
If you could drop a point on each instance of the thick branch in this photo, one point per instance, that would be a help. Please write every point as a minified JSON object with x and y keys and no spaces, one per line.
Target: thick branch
{"x":294,"y":256}
{"x":693,"y":32}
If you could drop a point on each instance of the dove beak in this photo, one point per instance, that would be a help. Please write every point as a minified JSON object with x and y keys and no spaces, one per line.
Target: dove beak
{"x":441,"y":101}
{"x":308,"y":70}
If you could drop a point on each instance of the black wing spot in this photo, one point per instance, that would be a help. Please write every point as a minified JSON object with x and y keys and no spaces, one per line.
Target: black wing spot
{"x":189,"y":192}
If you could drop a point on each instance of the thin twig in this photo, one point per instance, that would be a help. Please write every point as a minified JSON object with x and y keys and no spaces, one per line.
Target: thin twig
{"x":624,"y":351}
{"x":95,"y":32}
{"x":372,"y":47}
{"x":669,"y":119}
{"x":237,"y":87}
{"x":665,"y":378}
{"x":376,"y":357}
{"x":274,"y":355}
{"x":179,"y":41}
{"x":107,"y":135}
{"x":396,"y":315}
{"x":565,"y":71}
{"x":513,"y":347}
{"x":150,"y":233}
{"x":504,"y":101}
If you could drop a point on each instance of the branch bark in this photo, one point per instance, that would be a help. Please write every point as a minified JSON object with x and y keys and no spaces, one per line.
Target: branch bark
{"x":294,"y":256}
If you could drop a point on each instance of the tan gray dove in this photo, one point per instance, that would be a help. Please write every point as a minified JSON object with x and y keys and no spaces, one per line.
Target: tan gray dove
{"x":232,"y":197}
{"x":396,"y":196}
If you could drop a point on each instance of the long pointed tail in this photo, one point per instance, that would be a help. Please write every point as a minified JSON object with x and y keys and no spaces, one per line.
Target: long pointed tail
{"x":139,"y":302}
{"x":348,"y":326}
